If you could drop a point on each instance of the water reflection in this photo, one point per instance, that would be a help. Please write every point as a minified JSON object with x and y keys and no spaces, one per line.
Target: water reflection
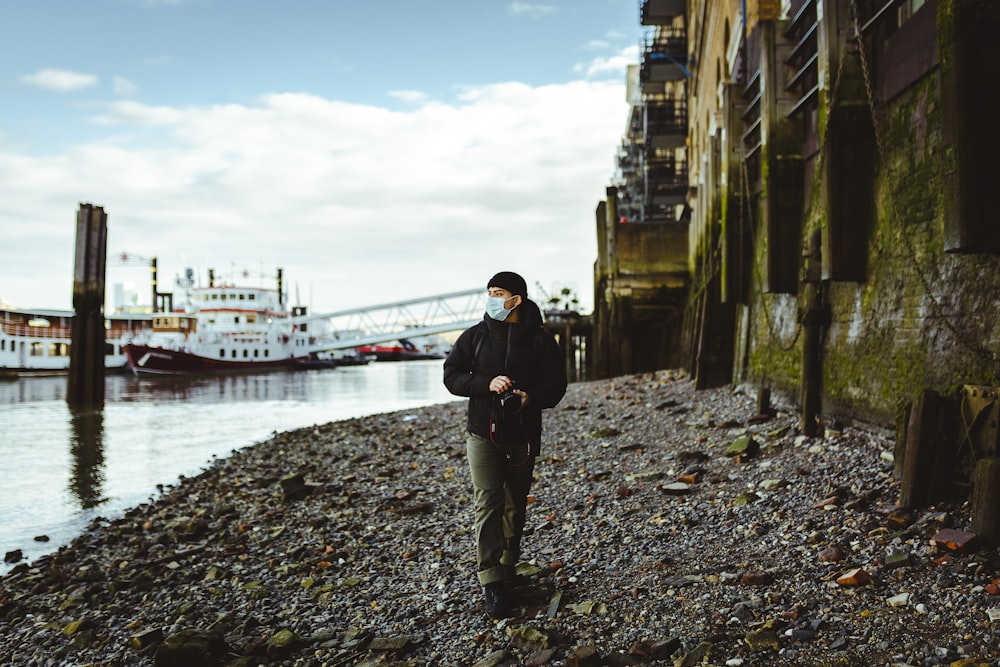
{"x":87,"y":450}
{"x":87,"y":463}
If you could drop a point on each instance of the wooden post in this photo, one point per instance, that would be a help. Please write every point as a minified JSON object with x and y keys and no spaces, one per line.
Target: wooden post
{"x":986,"y":500}
{"x":86,"y":361}
{"x":928,"y":463}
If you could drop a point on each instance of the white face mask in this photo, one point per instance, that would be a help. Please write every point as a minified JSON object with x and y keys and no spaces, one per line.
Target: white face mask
{"x":495,"y":309}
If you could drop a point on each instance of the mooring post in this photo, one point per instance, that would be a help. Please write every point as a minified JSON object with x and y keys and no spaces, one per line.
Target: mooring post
{"x":86,"y":360}
{"x":813,"y":320}
{"x":928,"y":461}
{"x":986,"y":500}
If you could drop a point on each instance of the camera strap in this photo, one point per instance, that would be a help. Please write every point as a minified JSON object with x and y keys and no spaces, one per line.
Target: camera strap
{"x":507,"y":451}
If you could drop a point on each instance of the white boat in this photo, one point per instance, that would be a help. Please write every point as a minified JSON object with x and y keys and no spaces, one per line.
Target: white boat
{"x":38,"y":341}
{"x":226,"y":328}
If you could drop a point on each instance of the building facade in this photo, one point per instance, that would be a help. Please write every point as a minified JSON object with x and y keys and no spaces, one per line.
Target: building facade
{"x":840,"y":247}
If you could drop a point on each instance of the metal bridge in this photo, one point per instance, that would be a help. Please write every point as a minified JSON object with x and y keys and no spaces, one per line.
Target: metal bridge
{"x":424,"y":316}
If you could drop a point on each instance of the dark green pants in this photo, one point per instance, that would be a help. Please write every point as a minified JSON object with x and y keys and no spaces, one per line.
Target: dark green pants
{"x":501,"y":498}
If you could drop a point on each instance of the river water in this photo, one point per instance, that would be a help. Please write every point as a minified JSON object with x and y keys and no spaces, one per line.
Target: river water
{"x":60,"y":469}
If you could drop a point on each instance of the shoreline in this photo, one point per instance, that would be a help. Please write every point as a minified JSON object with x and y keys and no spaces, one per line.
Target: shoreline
{"x":648,"y":543}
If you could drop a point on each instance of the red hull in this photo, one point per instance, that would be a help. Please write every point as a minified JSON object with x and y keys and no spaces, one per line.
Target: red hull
{"x":145,"y":360}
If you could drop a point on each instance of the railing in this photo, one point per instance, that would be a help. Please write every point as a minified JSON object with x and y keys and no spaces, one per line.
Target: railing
{"x":22,"y":330}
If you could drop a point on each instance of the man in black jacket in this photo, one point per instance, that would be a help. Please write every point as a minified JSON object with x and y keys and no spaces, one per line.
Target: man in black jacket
{"x":507,"y":357}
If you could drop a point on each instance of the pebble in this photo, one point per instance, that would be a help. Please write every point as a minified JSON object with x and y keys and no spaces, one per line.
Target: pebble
{"x":369,"y":558}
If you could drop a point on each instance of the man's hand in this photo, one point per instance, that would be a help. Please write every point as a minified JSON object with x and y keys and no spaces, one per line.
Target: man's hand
{"x":500,"y":384}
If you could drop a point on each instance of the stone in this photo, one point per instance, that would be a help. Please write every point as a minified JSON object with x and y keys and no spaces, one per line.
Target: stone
{"x":493,"y":659}
{"x":79,"y":625}
{"x":854,"y":578}
{"x":584,"y":656}
{"x":954,"y":540}
{"x":696,"y":656}
{"x":282,"y":643}
{"x":146,"y":638}
{"x":763,"y":640}
{"x":539,"y":658}
{"x":190,"y":647}
{"x":676,"y":488}
{"x":831,"y":555}
{"x":294,"y":487}
{"x":622,"y":660}
{"x":899,"y":600}
{"x":744,"y":447}
{"x":13,"y":556}
{"x":756,"y":578}
{"x":897,"y":559}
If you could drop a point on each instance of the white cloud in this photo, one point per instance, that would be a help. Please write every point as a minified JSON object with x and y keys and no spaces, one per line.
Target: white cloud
{"x":60,"y":80}
{"x":359,"y":204}
{"x":615,"y":65}
{"x":124,"y":87}
{"x":532,"y":10}
{"x":409,"y":96}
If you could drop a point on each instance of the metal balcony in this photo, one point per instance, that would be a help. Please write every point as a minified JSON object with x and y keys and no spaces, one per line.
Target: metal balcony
{"x":666,"y":182}
{"x":660,"y":12}
{"x":666,"y":123}
{"x":664,"y":56}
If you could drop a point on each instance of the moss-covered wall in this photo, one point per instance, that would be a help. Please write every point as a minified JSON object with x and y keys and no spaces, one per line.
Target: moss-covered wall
{"x":922,"y":318}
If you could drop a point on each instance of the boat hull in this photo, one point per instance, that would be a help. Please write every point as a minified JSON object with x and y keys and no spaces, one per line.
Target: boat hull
{"x":146,"y":360}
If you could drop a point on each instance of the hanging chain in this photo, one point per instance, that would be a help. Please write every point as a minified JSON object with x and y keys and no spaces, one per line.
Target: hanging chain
{"x":925,"y":283}
{"x":744,"y":206}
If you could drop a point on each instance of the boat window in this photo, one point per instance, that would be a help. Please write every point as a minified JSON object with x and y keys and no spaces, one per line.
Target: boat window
{"x":236,"y":319}
{"x":256,"y":353}
{"x":3,"y":345}
{"x":253,"y":296}
{"x":215,"y":297}
{"x":36,"y":349}
{"x":233,"y":355}
{"x":222,"y":353}
{"x":246,"y":353}
{"x":242,"y":296}
{"x":251,"y":319}
{"x":267,"y":353}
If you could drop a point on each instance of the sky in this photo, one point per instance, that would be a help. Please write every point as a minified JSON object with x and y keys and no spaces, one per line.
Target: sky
{"x":375,"y":151}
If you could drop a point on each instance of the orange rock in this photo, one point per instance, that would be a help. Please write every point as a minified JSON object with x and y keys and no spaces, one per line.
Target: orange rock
{"x":854,"y":578}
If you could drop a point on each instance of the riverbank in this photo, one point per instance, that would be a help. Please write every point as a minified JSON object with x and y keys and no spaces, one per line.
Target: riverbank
{"x":651,"y":542}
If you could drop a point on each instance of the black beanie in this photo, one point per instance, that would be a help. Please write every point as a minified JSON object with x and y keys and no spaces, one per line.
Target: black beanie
{"x":509,"y":281}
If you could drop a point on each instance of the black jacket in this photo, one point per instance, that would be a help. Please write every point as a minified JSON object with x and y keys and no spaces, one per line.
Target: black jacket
{"x":535,"y":364}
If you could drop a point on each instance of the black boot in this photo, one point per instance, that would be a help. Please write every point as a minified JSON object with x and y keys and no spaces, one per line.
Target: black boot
{"x":497,"y":602}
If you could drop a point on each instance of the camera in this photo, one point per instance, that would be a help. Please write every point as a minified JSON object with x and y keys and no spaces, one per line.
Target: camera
{"x":510,"y":402}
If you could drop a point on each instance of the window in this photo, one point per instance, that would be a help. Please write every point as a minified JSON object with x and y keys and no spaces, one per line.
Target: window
{"x":267,"y":353}
{"x":3,"y":345}
{"x":36,"y":349}
{"x":222,"y":353}
{"x":246,"y":353}
{"x":233,"y":354}
{"x":256,"y":353}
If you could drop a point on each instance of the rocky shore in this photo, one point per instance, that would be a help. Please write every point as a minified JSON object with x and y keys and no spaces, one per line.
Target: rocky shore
{"x":669,"y":527}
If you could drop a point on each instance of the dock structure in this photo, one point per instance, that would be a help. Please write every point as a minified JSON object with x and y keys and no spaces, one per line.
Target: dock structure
{"x":86,"y":361}
{"x":840,"y":243}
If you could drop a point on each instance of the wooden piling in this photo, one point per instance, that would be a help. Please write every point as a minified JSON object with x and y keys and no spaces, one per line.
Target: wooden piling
{"x":86,"y":361}
{"x":928,"y":464}
{"x":986,"y":500}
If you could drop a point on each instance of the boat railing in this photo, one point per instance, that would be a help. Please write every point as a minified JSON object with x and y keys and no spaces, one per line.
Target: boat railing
{"x":27,"y":331}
